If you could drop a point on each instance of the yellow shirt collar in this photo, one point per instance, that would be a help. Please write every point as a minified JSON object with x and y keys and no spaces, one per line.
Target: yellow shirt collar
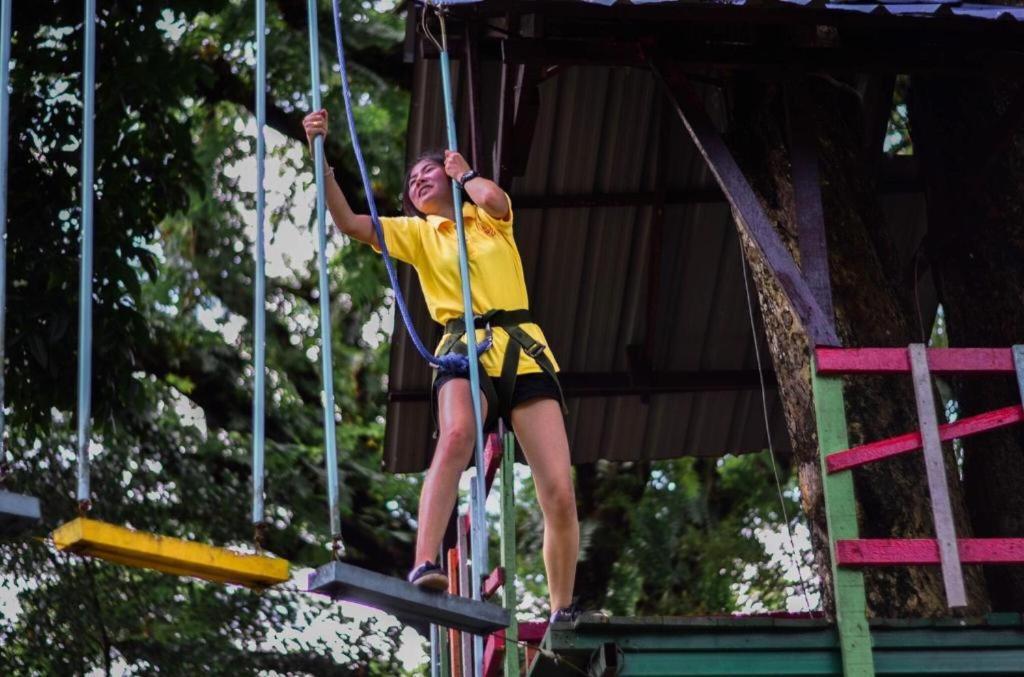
{"x":468,"y":212}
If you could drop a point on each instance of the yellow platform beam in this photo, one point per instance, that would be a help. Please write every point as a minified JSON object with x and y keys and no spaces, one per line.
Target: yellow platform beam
{"x":170,"y":555}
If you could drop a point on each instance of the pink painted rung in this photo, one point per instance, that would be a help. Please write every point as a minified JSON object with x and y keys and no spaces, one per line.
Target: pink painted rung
{"x":910,"y":442}
{"x":835,"y":361}
{"x":925,"y":551}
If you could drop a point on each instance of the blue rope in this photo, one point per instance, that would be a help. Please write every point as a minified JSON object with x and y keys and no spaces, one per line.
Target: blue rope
{"x":85,"y":281}
{"x":452,"y":362}
{"x":259,"y":295}
{"x":326,"y":367}
{"x":5,"y":107}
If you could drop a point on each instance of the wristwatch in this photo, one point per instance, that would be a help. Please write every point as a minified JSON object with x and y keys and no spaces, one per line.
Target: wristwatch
{"x":467,"y":177}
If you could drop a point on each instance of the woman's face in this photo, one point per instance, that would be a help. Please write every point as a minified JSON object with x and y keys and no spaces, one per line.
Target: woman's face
{"x":429,"y":187}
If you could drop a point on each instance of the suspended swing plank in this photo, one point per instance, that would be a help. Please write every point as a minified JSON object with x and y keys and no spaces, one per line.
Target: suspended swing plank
{"x":406,"y":601}
{"x":18,"y":513}
{"x":170,"y":555}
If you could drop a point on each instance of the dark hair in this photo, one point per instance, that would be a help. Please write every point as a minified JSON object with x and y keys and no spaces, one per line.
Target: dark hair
{"x":435,"y":156}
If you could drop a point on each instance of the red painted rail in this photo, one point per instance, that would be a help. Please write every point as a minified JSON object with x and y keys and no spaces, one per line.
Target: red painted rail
{"x":910,"y":442}
{"x":833,"y":361}
{"x":530,"y":633}
{"x":923,"y":551}
{"x":493,"y":582}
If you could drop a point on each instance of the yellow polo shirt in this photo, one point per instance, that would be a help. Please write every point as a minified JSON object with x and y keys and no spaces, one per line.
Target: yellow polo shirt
{"x":430,"y":245}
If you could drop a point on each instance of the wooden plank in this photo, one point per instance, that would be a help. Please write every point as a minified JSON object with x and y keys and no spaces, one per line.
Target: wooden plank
{"x":745,"y":203}
{"x":18,"y":513}
{"x":454,"y":636}
{"x":465,"y":576}
{"x":405,"y":600}
{"x":810,"y":214}
{"x":492,"y":459}
{"x":903,"y":444}
{"x":832,"y":361}
{"x":493,"y":582}
{"x":508,"y":552}
{"x":494,"y":650}
{"x":1018,"y":365}
{"x":841,"y":517}
{"x":938,"y":483}
{"x":925,"y":551}
{"x":139,"y":549}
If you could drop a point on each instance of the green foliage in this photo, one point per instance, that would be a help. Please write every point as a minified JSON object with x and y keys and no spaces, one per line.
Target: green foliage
{"x":173,"y":296}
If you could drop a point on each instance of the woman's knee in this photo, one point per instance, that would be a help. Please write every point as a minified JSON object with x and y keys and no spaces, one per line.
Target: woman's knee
{"x":455,"y":443}
{"x":559,"y":504}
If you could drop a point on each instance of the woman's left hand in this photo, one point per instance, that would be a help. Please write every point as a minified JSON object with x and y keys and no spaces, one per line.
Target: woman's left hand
{"x":454,"y":164}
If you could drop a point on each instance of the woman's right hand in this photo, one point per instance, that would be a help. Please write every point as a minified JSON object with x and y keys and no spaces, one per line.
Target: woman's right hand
{"x":315,"y":125}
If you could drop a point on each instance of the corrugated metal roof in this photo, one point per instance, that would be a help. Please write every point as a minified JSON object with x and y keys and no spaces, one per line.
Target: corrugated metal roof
{"x":599,"y":130}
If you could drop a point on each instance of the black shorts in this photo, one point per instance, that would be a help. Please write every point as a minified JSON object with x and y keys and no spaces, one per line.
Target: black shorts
{"x":528,"y":387}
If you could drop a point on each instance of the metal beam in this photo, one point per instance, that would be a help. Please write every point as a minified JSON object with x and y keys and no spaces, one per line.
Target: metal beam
{"x":810,"y":213}
{"x":746,"y":205}
{"x":18,"y":513}
{"x":625,"y":384}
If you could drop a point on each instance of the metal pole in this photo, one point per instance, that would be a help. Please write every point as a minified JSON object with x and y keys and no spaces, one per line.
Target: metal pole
{"x":326,"y":366}
{"x":5,"y":108}
{"x":85,"y":281}
{"x":259,"y":294}
{"x":478,"y":525}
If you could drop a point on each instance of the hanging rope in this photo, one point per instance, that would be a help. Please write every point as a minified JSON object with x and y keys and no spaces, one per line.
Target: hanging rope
{"x":768,"y":432}
{"x":85,"y":280}
{"x":5,"y":107}
{"x":452,"y":362}
{"x":326,"y":368}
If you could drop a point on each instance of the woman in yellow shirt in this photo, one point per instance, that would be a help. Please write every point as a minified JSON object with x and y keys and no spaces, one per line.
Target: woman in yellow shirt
{"x":521,"y":385}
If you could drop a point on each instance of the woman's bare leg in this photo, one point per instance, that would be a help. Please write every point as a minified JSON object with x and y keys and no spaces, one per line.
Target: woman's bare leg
{"x":540,"y":429}
{"x":451,"y":456}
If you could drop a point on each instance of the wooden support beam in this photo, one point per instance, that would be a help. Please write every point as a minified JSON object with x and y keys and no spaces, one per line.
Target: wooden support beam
{"x":1018,"y":366}
{"x":925,"y":551}
{"x":938,"y":483}
{"x":454,"y":636}
{"x":910,"y":442}
{"x":896,"y":361}
{"x":507,"y":534}
{"x":841,"y":517}
{"x":745,"y":203}
{"x":810,"y":214}
{"x":492,"y":459}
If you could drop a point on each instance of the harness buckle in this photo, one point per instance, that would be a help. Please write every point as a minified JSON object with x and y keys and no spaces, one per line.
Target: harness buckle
{"x":536,"y":350}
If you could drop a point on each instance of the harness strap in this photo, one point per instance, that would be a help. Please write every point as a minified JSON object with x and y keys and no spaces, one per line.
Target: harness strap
{"x":520,"y":341}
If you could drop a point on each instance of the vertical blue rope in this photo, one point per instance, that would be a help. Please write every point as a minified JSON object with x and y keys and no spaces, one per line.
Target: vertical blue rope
{"x":452,"y":362}
{"x":5,"y":109}
{"x":85,"y":281}
{"x":259,"y":295}
{"x":479,"y":493}
{"x":325,"y":305}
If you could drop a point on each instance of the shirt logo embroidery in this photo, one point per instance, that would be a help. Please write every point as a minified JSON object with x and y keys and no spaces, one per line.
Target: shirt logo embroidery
{"x":486,"y":229}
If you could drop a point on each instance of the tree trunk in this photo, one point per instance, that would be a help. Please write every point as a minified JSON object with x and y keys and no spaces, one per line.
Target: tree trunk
{"x":963,"y":131}
{"x":870,"y":309}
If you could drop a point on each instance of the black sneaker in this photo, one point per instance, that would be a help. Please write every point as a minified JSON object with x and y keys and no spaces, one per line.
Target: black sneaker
{"x":429,"y":576}
{"x":567,"y":614}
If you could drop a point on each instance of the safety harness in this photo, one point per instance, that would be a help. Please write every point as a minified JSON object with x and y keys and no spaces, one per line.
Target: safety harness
{"x":499,"y":396}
